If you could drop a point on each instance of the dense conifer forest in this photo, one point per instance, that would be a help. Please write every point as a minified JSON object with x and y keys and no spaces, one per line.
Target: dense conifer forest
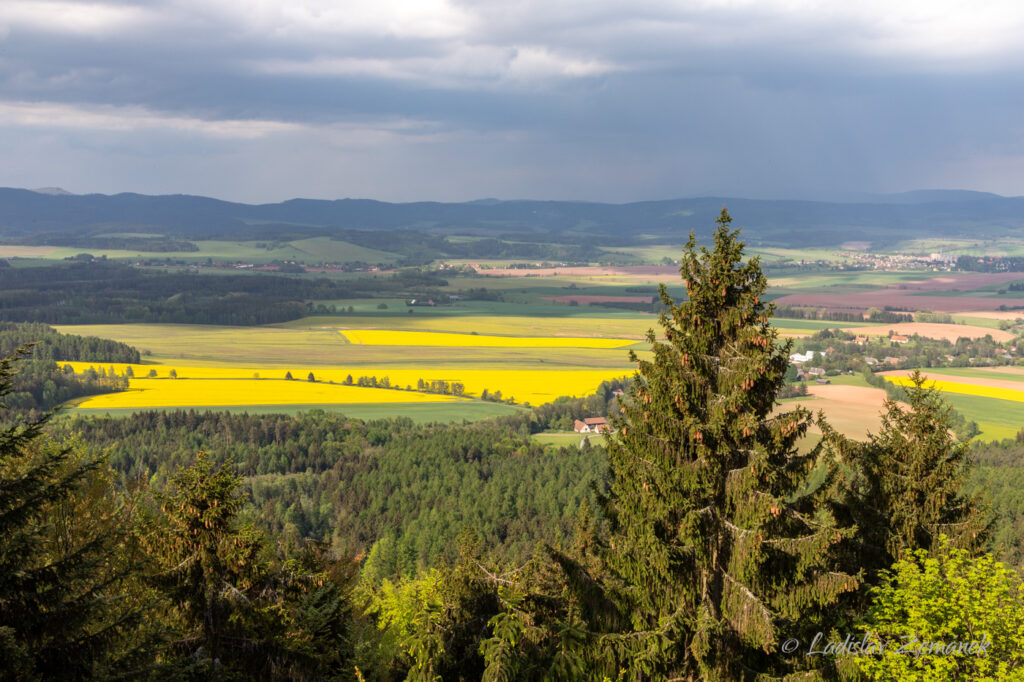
{"x":708,"y":536}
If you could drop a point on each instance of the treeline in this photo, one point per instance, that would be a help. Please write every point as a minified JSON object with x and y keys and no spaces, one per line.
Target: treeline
{"x":126,"y":243}
{"x":872,"y":315}
{"x":109,"y":292}
{"x":40,"y":384}
{"x":49,"y":344}
{"x":990,"y":263}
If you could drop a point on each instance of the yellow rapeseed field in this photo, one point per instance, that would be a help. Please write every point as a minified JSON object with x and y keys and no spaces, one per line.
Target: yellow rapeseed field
{"x":382,"y":337}
{"x":534,"y":386}
{"x":225,"y":392}
{"x":966,"y":389}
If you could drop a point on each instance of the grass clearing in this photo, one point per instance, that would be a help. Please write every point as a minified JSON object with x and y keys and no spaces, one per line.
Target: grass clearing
{"x":567,"y":438}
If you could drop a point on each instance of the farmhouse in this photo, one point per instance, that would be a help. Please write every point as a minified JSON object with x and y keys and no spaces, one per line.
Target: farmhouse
{"x":591,"y":425}
{"x":899,"y":338}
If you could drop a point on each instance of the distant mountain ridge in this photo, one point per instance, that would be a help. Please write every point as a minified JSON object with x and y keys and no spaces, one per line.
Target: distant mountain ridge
{"x":38,"y":216}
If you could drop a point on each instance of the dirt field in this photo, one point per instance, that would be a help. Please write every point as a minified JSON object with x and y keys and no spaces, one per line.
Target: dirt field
{"x":888,"y":297}
{"x":851,"y":410}
{"x":584,"y":299}
{"x":906,"y":295}
{"x":932,"y":330}
{"x":960,"y":281}
{"x":661,"y":273}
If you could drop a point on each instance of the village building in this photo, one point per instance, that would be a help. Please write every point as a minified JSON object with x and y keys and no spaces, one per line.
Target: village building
{"x":800,"y":358}
{"x":591,"y":425}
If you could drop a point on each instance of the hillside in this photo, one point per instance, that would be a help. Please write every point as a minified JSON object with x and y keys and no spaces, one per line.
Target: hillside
{"x":36,"y":217}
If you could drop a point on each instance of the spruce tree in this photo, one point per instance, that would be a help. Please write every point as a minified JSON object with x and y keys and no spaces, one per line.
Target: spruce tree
{"x":907,"y":489}
{"x":235,"y":610}
{"x":719,"y":548}
{"x":66,"y":611}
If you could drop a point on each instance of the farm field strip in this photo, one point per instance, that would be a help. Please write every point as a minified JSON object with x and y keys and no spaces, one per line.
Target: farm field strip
{"x":1006,"y":376}
{"x":611,"y":326}
{"x":853,"y":410}
{"x":380,"y":337}
{"x":527,"y":385}
{"x":967,"y":386}
{"x":325,"y":347}
{"x":933,"y":330}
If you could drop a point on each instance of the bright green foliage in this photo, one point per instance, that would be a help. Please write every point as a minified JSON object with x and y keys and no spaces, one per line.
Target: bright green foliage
{"x":909,"y":481}
{"x":409,"y":618}
{"x":433,"y":626}
{"x":944,"y":598}
{"x":234,"y":611}
{"x":65,"y":611}
{"x":719,"y":549}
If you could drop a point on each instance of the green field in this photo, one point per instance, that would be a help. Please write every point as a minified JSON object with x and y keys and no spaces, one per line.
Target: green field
{"x":978,"y":373}
{"x":997,"y":419}
{"x":567,"y":438}
{"x":311,"y":250}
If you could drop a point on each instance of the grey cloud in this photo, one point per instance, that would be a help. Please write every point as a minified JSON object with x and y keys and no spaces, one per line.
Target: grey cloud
{"x":620,"y":101}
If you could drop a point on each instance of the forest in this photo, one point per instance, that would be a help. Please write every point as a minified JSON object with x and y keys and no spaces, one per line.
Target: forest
{"x":705,"y":537}
{"x":98,"y":291}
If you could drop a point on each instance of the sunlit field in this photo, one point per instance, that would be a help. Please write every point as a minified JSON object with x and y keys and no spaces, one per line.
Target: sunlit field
{"x":980,"y":390}
{"x":194,"y":384}
{"x":380,"y":337}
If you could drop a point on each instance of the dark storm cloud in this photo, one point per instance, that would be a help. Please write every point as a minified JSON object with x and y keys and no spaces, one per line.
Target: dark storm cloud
{"x":260,"y":100}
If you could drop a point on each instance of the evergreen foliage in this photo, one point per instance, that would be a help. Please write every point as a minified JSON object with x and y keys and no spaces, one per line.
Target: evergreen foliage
{"x":234,"y":610}
{"x":718,"y":546}
{"x":65,"y":557}
{"x":907,"y":489}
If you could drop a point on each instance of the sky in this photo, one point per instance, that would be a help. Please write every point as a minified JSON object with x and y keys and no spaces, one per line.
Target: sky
{"x":596,"y":100}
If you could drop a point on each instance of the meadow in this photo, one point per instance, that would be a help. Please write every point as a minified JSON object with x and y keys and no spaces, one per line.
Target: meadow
{"x":314,"y":249}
